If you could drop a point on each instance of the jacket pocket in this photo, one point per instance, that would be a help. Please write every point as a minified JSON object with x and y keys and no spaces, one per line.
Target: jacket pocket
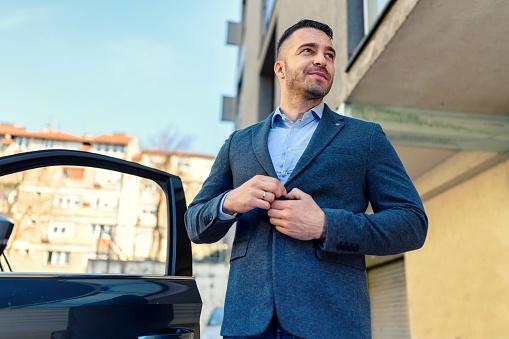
{"x":353,"y":260}
{"x":239,"y":250}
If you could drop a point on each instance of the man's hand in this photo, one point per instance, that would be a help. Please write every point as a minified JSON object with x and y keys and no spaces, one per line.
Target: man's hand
{"x":258,"y":192}
{"x":298,"y":216}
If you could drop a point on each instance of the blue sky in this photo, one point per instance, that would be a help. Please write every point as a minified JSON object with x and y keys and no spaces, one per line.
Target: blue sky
{"x":104,"y":66}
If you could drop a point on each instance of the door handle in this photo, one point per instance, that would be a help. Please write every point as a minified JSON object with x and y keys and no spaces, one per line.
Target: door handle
{"x":169,"y":333}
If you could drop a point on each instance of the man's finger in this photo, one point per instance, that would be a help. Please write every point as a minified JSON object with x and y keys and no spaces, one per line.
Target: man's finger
{"x":295,"y":193}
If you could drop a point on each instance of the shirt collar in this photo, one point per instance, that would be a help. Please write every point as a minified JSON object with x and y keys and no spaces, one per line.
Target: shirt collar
{"x":317,"y":112}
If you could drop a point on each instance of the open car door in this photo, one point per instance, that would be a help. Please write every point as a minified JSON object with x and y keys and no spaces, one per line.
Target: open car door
{"x":96,"y":248}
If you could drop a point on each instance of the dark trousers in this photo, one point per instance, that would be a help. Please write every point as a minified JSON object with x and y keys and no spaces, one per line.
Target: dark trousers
{"x":274,"y":331}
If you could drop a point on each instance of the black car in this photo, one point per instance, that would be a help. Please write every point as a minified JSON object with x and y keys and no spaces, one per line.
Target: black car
{"x":95,"y":302}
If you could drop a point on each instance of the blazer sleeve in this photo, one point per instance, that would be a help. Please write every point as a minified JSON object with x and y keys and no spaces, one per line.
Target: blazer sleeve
{"x":399,"y":222}
{"x":202,"y":216}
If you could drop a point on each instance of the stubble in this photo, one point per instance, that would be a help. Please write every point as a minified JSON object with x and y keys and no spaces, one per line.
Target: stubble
{"x":298,"y":81}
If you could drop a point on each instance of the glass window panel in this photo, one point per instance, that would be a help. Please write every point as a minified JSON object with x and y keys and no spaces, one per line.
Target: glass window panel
{"x":372,"y":10}
{"x":78,"y":226}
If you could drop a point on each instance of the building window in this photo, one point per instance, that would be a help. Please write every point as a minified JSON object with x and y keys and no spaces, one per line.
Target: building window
{"x":101,"y":231}
{"x":58,"y":258}
{"x":149,"y":210}
{"x":268,"y":8}
{"x":372,"y":10}
{"x":67,"y":201}
{"x":363,"y":19}
{"x":48,"y":143}
{"x":23,"y":141}
{"x":106,"y":203}
{"x":61,"y":229}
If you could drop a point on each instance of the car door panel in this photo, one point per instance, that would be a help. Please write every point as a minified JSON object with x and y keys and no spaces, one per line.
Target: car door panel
{"x":64,"y":306}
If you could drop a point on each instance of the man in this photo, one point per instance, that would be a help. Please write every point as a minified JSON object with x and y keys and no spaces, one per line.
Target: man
{"x":298,"y":185}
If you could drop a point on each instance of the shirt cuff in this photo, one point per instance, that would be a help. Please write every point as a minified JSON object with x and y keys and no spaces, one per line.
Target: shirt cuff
{"x":224,"y":216}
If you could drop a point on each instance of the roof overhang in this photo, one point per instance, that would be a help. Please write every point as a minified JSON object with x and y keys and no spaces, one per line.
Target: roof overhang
{"x":439,"y":86}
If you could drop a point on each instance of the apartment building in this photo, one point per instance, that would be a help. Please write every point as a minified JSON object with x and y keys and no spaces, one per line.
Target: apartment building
{"x":66,"y":217}
{"x":433,"y":74}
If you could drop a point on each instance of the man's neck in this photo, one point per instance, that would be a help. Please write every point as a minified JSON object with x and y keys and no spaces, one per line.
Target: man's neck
{"x":295,"y":110}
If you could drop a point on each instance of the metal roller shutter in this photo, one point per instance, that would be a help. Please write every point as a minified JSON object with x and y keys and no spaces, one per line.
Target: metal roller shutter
{"x":387,"y":290}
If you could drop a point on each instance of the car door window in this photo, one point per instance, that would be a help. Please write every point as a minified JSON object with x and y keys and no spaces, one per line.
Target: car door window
{"x":83,"y":220}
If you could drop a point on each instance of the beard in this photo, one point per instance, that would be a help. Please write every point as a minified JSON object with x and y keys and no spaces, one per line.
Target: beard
{"x":297,"y":81}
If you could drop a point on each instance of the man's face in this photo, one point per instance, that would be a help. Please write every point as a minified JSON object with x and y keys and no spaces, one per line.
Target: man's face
{"x":308,"y":63}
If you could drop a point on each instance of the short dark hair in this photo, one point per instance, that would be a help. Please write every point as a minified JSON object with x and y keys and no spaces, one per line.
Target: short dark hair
{"x":304,"y":23}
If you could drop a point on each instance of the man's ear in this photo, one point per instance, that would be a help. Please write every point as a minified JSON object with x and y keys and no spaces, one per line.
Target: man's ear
{"x":279,"y":69}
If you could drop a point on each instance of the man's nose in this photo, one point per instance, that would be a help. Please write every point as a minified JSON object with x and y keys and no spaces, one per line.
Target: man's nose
{"x":320,"y":60}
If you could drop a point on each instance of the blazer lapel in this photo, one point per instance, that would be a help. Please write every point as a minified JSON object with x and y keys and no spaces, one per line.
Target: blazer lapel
{"x":260,"y":137}
{"x":329,"y":126}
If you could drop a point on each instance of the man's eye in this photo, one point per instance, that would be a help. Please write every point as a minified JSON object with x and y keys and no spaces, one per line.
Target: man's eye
{"x":330,"y":56}
{"x":307,"y":50}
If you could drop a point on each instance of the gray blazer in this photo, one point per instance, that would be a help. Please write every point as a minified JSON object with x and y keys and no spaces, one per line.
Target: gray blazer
{"x":317,"y":288}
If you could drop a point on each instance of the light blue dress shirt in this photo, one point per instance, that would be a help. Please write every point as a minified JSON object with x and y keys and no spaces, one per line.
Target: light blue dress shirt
{"x":287,"y":141}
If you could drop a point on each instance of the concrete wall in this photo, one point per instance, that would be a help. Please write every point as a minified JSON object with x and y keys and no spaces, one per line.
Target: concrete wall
{"x":248,"y":98}
{"x":458,"y":283}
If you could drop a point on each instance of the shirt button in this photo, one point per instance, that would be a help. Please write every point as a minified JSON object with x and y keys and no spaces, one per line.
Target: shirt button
{"x":289,"y":149}
{"x":285,"y":173}
{"x":295,"y":130}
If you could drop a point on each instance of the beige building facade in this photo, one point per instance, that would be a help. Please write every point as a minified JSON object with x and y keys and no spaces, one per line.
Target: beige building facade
{"x":433,"y":74}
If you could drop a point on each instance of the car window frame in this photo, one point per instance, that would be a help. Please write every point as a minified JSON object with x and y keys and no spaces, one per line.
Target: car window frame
{"x":179,"y":257}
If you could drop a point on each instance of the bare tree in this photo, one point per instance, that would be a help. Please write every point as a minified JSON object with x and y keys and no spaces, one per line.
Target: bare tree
{"x":24,"y":203}
{"x":169,"y":139}
{"x":9,"y":187}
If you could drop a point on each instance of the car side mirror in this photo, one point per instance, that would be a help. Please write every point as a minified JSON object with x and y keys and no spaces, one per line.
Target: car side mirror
{"x":5,"y":232}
